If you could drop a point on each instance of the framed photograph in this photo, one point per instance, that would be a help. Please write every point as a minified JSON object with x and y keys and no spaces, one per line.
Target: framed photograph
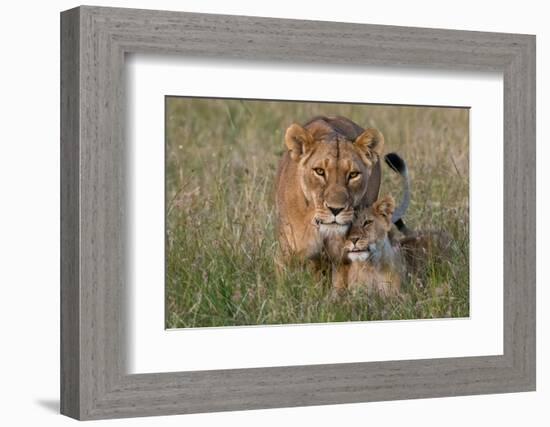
{"x":261,"y":213}
{"x":231,"y":245}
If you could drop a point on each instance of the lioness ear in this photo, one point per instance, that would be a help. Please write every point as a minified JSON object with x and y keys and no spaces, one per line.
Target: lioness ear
{"x":371,"y":143}
{"x":384,"y":207}
{"x":298,"y":141}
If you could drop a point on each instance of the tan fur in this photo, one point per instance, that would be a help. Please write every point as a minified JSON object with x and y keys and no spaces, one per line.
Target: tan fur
{"x":327,"y":165}
{"x":368,"y":260}
{"x":420,"y":247}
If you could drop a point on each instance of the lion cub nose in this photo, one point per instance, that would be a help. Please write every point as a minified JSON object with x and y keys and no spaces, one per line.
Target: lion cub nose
{"x":335,"y":211}
{"x":354,"y":240}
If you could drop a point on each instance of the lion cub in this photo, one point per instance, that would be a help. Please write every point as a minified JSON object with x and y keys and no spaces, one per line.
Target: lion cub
{"x":368,"y":260}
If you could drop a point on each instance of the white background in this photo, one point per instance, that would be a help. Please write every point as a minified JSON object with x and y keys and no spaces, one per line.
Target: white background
{"x":153,"y":349}
{"x":29,"y":212}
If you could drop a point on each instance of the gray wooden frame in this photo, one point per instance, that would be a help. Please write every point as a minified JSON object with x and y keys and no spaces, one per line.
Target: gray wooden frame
{"x":94,"y":382}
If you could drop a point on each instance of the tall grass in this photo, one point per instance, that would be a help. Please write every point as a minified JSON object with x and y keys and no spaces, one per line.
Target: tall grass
{"x":221,"y":159}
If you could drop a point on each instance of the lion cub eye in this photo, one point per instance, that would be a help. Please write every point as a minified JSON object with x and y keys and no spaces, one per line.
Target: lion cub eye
{"x":367,"y":222}
{"x":319,"y":171}
{"x":353,"y":175}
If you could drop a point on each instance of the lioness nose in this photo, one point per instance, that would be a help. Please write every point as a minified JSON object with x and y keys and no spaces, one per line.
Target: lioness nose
{"x":335,"y":211}
{"x":354,"y":240}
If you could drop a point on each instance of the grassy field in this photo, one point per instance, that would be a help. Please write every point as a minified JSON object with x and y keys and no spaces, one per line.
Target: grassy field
{"x":221,"y":160}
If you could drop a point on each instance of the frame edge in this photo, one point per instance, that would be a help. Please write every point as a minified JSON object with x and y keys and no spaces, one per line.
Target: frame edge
{"x":70,"y":403}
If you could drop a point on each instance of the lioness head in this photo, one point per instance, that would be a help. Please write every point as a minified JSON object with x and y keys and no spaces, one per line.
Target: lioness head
{"x":333,"y":172}
{"x":369,"y":230}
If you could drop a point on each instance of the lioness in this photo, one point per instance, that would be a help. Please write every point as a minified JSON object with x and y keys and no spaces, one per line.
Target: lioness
{"x":369,"y":260}
{"x":326,"y":171}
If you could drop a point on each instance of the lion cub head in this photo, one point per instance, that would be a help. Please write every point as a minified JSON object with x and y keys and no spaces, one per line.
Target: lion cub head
{"x":369,"y":231}
{"x":333,"y":171}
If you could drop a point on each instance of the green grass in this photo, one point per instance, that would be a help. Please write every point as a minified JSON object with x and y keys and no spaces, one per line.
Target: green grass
{"x":221,"y":160}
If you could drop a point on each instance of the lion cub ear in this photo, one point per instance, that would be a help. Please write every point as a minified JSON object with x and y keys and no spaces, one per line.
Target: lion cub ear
{"x":384,"y":208}
{"x":371,"y":143}
{"x":298,"y":141}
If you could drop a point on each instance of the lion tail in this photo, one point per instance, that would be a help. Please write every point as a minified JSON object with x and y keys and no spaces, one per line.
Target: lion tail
{"x":398,"y":165}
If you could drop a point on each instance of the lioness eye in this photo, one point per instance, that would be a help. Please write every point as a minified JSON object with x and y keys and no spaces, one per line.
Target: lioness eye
{"x":353,"y":175}
{"x":367,"y":222}
{"x":319,"y":171}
